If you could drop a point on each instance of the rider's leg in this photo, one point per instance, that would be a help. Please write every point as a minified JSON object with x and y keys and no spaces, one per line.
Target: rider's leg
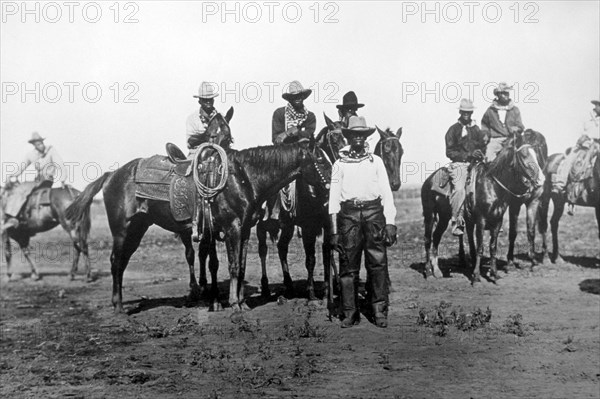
{"x":458,"y":177}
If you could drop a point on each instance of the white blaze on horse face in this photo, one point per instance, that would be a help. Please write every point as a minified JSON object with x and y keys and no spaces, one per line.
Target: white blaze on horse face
{"x":540,"y":175}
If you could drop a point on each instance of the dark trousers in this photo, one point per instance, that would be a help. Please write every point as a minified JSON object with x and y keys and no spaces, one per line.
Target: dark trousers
{"x":361,"y":229}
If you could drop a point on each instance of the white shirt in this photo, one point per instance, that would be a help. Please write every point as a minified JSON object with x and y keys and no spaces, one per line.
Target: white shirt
{"x":363,"y":181}
{"x":48,"y":165}
{"x":502,"y":116}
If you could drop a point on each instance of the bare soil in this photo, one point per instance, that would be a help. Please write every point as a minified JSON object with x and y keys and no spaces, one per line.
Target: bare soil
{"x":60,"y":338}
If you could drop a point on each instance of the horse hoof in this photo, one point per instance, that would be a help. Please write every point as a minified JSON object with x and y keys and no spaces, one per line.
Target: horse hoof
{"x":244,"y":307}
{"x":72,"y":277}
{"x":35,"y":277}
{"x":314,"y":302}
{"x":195,"y":294}
{"x":215,"y":307}
{"x":475,"y":279}
{"x":237,"y":317}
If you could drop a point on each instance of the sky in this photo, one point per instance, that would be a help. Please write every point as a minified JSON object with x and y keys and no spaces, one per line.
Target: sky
{"x":107,"y":82}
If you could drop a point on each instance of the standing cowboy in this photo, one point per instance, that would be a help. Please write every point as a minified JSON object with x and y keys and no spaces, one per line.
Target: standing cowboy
{"x":362,"y":211}
{"x":464,"y":143}
{"x":591,"y":130}
{"x":294,"y":122}
{"x":49,"y":167}
{"x":501,"y":120}
{"x":197,"y":122}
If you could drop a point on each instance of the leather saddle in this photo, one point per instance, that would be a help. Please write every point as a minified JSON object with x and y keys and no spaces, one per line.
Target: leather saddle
{"x":168,"y":178}
{"x":440,"y":180}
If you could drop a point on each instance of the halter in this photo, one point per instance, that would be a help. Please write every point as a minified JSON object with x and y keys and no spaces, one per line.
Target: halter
{"x":230,"y":138}
{"x":515,"y":160}
{"x":380,"y":142}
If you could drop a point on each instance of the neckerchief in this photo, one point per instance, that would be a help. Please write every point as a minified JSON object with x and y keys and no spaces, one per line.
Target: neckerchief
{"x":205,"y":118}
{"x":506,"y":107}
{"x":294,"y":118}
{"x":349,"y":156}
{"x":464,"y":132}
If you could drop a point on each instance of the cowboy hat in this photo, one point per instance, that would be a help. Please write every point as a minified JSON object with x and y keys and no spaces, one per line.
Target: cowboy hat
{"x":35,"y":136}
{"x":503,"y":87}
{"x":296,"y":90}
{"x":357,"y":125}
{"x":595,"y":102}
{"x":349,"y":101}
{"x":206,"y":90}
{"x":466,"y":105}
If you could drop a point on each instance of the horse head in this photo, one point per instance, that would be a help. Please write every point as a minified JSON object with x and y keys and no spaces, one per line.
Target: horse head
{"x":218,"y":130}
{"x":330,"y":139}
{"x":317,"y":166}
{"x":516,"y":165}
{"x":390,"y":150}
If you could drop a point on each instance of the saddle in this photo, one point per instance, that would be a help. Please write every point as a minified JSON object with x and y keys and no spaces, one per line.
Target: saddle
{"x":168,"y":178}
{"x":38,"y":199}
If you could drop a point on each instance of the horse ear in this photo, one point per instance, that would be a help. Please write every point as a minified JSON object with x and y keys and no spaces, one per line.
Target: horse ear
{"x":328,"y":121}
{"x":399,"y":133}
{"x":381,"y":132}
{"x":229,"y":114}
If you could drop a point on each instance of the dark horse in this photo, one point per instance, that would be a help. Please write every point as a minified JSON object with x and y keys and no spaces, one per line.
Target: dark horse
{"x":256,"y":174}
{"x":37,"y":219}
{"x":311,"y":211}
{"x":491,"y":188}
{"x":592,"y":186}
{"x":123,"y":207}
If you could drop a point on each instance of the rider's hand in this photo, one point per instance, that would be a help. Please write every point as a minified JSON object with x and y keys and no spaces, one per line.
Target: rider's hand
{"x":389,"y":235}
{"x":280,"y":138}
{"x":477,"y":155}
{"x":334,"y":241}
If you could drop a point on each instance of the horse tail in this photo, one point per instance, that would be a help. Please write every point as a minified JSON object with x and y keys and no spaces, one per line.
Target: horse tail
{"x":79,"y":210}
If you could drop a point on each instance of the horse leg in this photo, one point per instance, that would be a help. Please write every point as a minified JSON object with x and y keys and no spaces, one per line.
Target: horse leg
{"x":125,"y":243}
{"x":513,"y":217}
{"x":203,"y":254}
{"x":233,"y":244}
{"x":263,"y":251}
{"x":213,"y":266}
{"x":309,"y":239}
{"x":186,"y":239}
{"x":543,"y":222}
{"x":7,"y":254}
{"x":461,"y":252}
{"x":598,"y":222}
{"x":493,"y":247}
{"x":24,"y":244}
{"x":429,"y":220}
{"x":559,"y":207}
{"x":532,"y":214}
{"x":441,"y":227}
{"x":287,"y":232}
{"x":241,"y":284}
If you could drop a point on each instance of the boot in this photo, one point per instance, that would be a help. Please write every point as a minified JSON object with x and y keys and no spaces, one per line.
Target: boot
{"x":380,"y":310}
{"x":349,"y":301}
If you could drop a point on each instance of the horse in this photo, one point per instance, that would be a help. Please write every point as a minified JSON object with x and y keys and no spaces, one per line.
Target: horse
{"x":532,"y":199}
{"x":489,"y":192}
{"x":256,"y":174}
{"x":592,"y":186}
{"x":311,"y":211}
{"x":36,"y":218}
{"x":310,"y":214}
{"x":121,"y":202}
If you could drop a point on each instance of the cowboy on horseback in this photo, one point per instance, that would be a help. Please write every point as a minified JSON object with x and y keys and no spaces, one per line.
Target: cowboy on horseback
{"x":464,"y":143}
{"x":49,"y":167}
{"x":197,"y":122}
{"x":294,"y":122}
{"x":348,"y":107}
{"x":362,"y":211}
{"x":585,"y":142}
{"x":501,"y":120}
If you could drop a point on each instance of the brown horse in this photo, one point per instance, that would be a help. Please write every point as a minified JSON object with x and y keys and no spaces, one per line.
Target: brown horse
{"x":491,"y":189}
{"x":256,"y":174}
{"x":36,"y":218}
{"x":592,"y":187}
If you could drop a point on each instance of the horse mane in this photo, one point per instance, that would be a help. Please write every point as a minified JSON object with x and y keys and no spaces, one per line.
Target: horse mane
{"x":267,"y":158}
{"x":538,"y":142}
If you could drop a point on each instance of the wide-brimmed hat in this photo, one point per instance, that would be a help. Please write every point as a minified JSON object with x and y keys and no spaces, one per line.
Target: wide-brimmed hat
{"x":206,"y":90}
{"x":357,"y":125}
{"x":466,"y":105}
{"x":296,"y":90}
{"x":596,"y":102}
{"x":349,"y":101}
{"x":503,"y":87}
{"x":35,"y":136}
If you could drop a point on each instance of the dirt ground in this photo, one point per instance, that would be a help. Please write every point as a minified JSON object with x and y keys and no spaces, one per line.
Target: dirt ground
{"x":60,"y":338}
